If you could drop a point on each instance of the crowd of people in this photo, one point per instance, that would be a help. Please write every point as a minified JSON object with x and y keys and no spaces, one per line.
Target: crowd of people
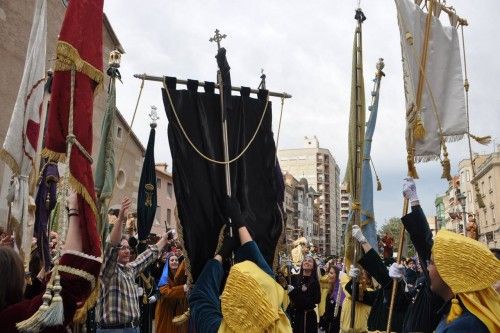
{"x":451,"y":285}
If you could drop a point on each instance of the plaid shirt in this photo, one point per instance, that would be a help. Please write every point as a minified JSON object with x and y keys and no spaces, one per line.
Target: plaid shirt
{"x":119,"y":295}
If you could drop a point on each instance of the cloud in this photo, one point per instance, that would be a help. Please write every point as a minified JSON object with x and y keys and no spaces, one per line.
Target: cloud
{"x":305,"y":49}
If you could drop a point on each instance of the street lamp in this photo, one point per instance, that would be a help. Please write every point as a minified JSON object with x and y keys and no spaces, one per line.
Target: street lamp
{"x":462,"y":198}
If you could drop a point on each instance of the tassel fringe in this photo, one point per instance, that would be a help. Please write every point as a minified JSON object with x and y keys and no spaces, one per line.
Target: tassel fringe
{"x":379,"y":185}
{"x":34,"y":323}
{"x":484,"y":140}
{"x":455,"y":311}
{"x":54,"y":315}
{"x":453,"y":138}
{"x":479,"y":197}
{"x":53,"y":156}
{"x":419,"y":130}
{"x":412,"y":171}
{"x":446,"y":168}
{"x":80,"y":189}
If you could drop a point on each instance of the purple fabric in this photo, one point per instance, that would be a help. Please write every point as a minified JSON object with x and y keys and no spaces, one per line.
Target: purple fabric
{"x":45,"y":202}
{"x":335,"y":291}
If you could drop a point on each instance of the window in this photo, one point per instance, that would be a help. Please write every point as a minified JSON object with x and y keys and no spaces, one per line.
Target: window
{"x":482,"y":188}
{"x":119,"y":132}
{"x":467,"y":175}
{"x":493,"y":217}
{"x":169,"y":213}
{"x":490,"y":183}
{"x":170,"y":190}
{"x":158,"y":183}
{"x":469,"y":196}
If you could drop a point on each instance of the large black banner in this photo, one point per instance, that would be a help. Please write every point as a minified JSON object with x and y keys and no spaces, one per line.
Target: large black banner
{"x":199,"y":184}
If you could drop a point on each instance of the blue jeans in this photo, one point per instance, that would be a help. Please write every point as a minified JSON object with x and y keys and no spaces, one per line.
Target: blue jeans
{"x":119,"y":330}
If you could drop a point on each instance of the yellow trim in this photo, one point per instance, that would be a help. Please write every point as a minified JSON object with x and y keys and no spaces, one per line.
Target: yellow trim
{"x":81,"y":313}
{"x":80,"y":189}
{"x":68,"y":55}
{"x":53,"y":156}
{"x":10,"y":161}
{"x":78,"y":272}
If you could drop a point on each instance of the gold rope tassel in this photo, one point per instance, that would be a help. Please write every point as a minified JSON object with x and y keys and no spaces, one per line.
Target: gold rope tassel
{"x":379,"y":184}
{"x":412,"y":171}
{"x":455,"y":311}
{"x":419,"y":129}
{"x":446,"y":168}
{"x":54,"y":316}
{"x":479,"y":197}
{"x":34,"y":323}
{"x":484,"y":140}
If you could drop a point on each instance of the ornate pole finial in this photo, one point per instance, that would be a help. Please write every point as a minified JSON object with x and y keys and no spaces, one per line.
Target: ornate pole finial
{"x":262,"y":84}
{"x":115,"y":58}
{"x":154,"y":116}
{"x":217,"y":38}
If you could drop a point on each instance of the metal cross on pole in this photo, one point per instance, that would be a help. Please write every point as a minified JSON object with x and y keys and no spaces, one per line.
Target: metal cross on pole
{"x":225,"y":141}
{"x":217,"y":38}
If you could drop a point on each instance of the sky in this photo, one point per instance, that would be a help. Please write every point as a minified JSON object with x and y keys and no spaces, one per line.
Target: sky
{"x":305,"y":49}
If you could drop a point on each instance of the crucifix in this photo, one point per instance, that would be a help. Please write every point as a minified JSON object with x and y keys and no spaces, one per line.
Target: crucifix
{"x":217,"y":38}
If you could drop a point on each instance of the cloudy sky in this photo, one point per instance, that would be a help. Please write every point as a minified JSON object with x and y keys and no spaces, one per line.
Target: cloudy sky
{"x":305,"y":49}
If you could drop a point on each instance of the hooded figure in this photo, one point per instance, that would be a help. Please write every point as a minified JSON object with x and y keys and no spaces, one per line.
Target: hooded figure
{"x":462,"y":272}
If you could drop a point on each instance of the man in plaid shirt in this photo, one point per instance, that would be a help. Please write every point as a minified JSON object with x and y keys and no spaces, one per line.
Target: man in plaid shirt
{"x":118,"y":307}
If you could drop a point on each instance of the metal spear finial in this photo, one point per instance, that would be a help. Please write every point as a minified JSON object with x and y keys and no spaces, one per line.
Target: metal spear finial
{"x":217,"y":38}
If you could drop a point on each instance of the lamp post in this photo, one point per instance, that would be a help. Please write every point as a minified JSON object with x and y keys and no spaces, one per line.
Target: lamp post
{"x":462,"y":199}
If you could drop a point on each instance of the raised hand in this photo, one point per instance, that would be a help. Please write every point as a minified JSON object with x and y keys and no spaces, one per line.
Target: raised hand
{"x":410,"y":191}
{"x":358,"y":234}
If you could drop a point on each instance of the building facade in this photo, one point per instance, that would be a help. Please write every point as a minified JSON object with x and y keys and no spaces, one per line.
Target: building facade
{"x":319,"y":168}
{"x":345,"y":201}
{"x":165,"y":211}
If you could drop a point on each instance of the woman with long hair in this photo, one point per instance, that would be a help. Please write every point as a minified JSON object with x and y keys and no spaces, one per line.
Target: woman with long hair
{"x":173,"y":301}
{"x":330,"y":320}
{"x":305,"y":296}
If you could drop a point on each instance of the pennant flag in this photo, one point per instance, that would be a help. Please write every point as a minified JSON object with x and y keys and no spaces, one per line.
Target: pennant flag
{"x":79,"y":48}
{"x":431,"y":60}
{"x":19,"y":147}
{"x":147,"y":196}
{"x":367,"y":213}
{"x":105,"y":167}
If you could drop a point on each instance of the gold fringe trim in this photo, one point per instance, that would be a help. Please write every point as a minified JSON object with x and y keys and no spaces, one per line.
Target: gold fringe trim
{"x":446,"y":168}
{"x":10,"y":161}
{"x":484,"y":140}
{"x":78,"y":272}
{"x":80,"y":189}
{"x":81,"y":313}
{"x":53,"y":156}
{"x":67,"y":55}
{"x":252,"y":313}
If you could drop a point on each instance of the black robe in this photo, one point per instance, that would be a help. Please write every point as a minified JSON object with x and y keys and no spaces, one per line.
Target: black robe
{"x":380,"y":299}
{"x":422,"y":312}
{"x":328,"y":322}
{"x":304,"y":303}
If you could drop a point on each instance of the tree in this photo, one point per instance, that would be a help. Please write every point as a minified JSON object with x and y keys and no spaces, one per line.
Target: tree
{"x":393,"y":226}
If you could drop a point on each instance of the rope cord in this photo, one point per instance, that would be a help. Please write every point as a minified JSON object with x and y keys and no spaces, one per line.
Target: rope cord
{"x":128,"y":136}
{"x":279,"y":129}
{"x":198,"y":150}
{"x":466,"y":87}
{"x":373,"y":166}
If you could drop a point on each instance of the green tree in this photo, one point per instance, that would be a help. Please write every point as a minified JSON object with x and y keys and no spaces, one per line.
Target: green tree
{"x":393,"y":226}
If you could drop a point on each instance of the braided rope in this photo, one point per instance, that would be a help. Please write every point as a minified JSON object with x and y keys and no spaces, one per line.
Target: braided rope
{"x":198,"y":151}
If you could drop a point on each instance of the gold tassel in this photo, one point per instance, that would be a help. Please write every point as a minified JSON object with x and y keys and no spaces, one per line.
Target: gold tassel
{"x":455,"y":311}
{"x":379,"y":184}
{"x":479,"y":197}
{"x":446,"y":168}
{"x":412,"y":171}
{"x":34,"y":323}
{"x":419,"y":129}
{"x":484,"y":140}
{"x":54,"y":315}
